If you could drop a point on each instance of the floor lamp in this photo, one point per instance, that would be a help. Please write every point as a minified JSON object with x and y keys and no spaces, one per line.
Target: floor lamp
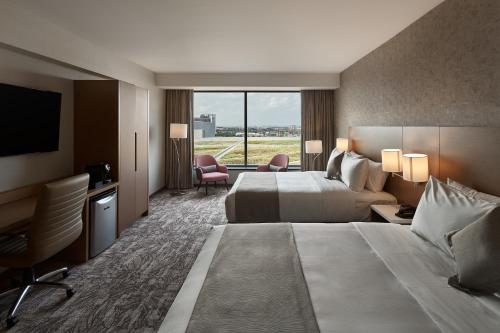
{"x":177,"y":132}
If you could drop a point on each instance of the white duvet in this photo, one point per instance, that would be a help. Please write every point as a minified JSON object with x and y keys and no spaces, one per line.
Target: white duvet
{"x":351,"y":292}
{"x":310,"y":197}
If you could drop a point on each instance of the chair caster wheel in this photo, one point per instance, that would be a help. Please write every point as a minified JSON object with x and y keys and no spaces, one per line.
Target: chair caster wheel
{"x":65,"y":274}
{"x":70,"y":293}
{"x":11,"y":321}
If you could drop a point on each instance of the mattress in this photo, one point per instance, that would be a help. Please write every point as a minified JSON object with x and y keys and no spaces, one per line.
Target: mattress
{"x":310,"y":197}
{"x":364,"y":277}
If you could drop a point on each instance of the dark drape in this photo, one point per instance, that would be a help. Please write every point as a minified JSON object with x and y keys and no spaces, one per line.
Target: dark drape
{"x":179,"y":109}
{"x":317,"y":124}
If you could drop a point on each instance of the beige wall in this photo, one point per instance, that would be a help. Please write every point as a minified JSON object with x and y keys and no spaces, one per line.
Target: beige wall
{"x":33,"y":72}
{"x":444,"y":70}
{"x":156,"y":140}
{"x":25,"y":31}
{"x":26,"y":71}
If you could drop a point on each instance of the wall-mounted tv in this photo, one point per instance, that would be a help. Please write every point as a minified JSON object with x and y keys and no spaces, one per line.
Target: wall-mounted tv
{"x":29,"y":120}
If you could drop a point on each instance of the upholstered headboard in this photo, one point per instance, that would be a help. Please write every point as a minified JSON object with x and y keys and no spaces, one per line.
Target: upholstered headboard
{"x":470,"y":155}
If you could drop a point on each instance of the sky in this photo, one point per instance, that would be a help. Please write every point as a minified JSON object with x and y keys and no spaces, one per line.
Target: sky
{"x":264,"y":109}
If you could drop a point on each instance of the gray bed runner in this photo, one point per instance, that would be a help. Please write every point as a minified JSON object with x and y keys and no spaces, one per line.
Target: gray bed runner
{"x":248,"y":290}
{"x":257,"y":198}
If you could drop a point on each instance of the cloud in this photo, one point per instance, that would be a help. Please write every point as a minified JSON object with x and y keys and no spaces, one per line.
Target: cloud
{"x":264,"y":109}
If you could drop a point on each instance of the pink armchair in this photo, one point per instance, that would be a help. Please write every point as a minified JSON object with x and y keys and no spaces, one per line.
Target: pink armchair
{"x":208,"y":170}
{"x":278,"y":163}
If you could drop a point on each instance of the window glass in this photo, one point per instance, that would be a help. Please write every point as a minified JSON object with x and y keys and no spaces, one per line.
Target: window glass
{"x":273,"y":120}
{"x":219,"y":126}
{"x":273,"y":126}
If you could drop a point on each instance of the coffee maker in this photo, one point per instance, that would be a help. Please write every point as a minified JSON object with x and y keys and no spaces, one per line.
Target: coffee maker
{"x":100,"y":174}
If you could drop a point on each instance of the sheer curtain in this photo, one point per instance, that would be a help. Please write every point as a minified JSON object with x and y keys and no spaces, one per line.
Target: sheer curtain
{"x":317,"y":124}
{"x":179,"y":109}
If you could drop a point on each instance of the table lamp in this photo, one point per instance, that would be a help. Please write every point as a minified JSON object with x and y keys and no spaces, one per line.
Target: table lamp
{"x":342,"y":144}
{"x":392,"y":160}
{"x":415,"y":168}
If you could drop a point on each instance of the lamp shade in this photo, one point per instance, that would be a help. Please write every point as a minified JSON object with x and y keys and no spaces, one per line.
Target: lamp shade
{"x":392,"y":160}
{"x":314,"y":147}
{"x":178,"y":131}
{"x":342,"y":144}
{"x":415,"y":168}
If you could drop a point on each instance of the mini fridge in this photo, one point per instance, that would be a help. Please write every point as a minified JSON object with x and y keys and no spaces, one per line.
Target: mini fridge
{"x":102,"y":222}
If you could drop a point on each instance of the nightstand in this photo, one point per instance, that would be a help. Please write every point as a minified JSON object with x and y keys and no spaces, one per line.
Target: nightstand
{"x":386,"y":213}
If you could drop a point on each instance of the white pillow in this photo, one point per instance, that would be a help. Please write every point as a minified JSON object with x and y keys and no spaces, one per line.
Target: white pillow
{"x":354,"y":172}
{"x":443,"y":210}
{"x":376,"y":177}
{"x":354,"y":154}
{"x":334,"y":163}
{"x":472,"y":192}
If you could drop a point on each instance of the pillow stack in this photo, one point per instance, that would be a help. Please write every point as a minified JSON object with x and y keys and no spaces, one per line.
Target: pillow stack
{"x":443,"y":210}
{"x":333,"y":165}
{"x":356,"y":171}
{"x":376,"y":177}
{"x":477,"y":255}
{"x":457,"y":220}
{"x":472,"y":192}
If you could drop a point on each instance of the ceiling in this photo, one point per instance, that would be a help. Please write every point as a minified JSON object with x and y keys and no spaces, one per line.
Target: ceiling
{"x":226,"y":36}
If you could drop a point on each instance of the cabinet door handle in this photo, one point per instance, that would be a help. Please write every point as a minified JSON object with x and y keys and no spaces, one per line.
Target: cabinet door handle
{"x":135,"y":151}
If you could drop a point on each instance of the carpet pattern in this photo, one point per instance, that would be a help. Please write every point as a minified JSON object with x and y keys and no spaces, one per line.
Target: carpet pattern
{"x":130,"y":286}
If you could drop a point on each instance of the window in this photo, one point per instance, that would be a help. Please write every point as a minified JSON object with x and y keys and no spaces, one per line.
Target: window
{"x":273,"y":120}
{"x":247,"y":128}
{"x":219,"y":126}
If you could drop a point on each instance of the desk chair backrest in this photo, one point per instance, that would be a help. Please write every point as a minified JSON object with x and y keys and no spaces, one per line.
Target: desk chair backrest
{"x":58,"y":217}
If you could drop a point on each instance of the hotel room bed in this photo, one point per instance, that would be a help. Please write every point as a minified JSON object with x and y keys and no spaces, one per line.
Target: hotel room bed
{"x":359,"y":277}
{"x":298,"y":197}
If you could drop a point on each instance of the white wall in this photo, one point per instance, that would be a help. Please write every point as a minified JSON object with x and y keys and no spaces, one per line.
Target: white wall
{"x":23,"y":70}
{"x":25,"y":39}
{"x":156,"y":140}
{"x":22,"y":29}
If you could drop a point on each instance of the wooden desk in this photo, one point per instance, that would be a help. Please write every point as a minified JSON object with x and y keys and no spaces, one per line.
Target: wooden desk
{"x":17,"y":205}
{"x":15,"y":209}
{"x":14,"y":214}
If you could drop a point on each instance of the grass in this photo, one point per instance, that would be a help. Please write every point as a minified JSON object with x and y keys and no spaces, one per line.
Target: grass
{"x":260,"y":150}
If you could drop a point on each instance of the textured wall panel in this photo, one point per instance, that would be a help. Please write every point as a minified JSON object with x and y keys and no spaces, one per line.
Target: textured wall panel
{"x":443,"y":70}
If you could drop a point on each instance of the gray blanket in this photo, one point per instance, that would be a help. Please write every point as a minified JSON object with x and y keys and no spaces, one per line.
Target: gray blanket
{"x":257,"y":198}
{"x":248,"y":290}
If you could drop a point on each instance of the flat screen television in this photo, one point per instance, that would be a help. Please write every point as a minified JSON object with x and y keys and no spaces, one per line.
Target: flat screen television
{"x":29,"y":120}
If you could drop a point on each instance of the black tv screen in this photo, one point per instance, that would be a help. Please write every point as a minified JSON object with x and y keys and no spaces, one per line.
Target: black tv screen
{"x":29,"y":120}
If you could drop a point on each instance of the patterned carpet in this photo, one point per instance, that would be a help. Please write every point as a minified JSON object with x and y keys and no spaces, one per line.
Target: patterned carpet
{"x":131,"y":286}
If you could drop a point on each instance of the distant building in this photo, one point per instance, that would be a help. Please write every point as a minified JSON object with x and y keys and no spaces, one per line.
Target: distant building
{"x":205,"y":124}
{"x":198,"y":133}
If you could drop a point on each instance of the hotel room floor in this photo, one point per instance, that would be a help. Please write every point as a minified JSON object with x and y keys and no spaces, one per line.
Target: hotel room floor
{"x":130,"y":286}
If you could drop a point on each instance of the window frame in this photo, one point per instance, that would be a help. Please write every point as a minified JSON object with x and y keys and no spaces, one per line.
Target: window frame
{"x":247,"y":166}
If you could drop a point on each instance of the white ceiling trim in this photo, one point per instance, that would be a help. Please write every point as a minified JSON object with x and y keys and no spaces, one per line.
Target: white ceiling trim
{"x":250,"y":81}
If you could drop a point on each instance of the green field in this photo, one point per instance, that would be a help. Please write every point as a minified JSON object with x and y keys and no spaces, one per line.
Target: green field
{"x":230,"y":150}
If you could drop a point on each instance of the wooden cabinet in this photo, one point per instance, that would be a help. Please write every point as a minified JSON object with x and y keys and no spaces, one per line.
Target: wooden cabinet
{"x":111,"y":125}
{"x":142,"y":151}
{"x":126,"y":172}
